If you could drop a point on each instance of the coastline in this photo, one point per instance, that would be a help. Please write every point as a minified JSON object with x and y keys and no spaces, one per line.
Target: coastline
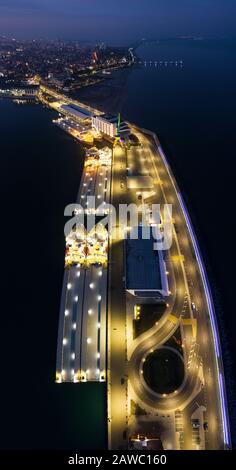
{"x":108,"y":96}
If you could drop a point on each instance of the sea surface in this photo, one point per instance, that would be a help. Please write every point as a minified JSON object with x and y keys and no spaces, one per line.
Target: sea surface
{"x":40,"y":173}
{"x":192,"y":108}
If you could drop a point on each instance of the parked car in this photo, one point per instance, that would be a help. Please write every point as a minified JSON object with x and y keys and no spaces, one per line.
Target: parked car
{"x":195,"y":424}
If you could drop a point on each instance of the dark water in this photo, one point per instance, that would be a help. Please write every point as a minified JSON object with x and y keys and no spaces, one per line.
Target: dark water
{"x":193,"y":111}
{"x":40,"y":173}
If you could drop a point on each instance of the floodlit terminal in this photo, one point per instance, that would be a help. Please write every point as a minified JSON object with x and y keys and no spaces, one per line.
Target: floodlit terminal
{"x":87,"y":248}
{"x":95,"y":157}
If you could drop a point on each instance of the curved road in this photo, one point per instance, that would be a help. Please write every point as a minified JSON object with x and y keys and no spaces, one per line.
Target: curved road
{"x":191,"y":282}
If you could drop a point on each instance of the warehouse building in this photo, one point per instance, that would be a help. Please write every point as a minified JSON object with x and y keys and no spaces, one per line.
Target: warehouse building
{"x":75,"y":112}
{"x":145,"y":274}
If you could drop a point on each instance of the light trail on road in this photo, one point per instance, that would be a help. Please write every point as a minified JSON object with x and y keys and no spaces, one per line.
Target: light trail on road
{"x":209,"y":302}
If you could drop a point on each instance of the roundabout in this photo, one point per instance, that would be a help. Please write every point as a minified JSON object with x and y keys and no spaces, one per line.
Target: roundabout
{"x":163,"y":370}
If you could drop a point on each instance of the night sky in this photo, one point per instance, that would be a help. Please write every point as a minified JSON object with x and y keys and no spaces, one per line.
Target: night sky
{"x":116,"y":19}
